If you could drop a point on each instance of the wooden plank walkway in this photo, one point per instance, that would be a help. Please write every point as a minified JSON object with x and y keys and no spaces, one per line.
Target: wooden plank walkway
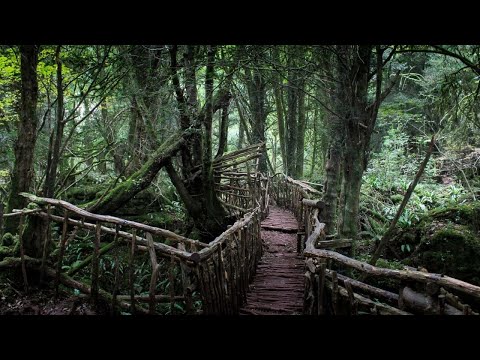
{"x":279,"y":283}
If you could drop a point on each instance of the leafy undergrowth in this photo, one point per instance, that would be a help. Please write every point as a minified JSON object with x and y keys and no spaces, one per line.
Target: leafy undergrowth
{"x":439,"y":228}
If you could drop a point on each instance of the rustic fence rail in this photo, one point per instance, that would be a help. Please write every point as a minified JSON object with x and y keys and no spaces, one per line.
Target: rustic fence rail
{"x":217,"y":273}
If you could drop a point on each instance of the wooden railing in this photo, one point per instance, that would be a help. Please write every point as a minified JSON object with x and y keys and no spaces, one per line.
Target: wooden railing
{"x":217,"y":273}
{"x":333,"y":282}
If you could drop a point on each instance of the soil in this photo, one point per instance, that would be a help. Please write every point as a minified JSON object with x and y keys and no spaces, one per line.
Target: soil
{"x":14,"y":301}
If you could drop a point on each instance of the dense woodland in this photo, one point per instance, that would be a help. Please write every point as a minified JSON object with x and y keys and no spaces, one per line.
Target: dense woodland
{"x":390,"y":134}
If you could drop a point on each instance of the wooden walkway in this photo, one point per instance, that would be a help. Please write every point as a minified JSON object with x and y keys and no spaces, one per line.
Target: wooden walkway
{"x":278,"y":286}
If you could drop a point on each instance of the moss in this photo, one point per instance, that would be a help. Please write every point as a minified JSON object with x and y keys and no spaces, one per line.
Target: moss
{"x":396,"y":198}
{"x":461,"y":214}
{"x":5,"y":251}
{"x":7,"y":239}
{"x":446,"y":240}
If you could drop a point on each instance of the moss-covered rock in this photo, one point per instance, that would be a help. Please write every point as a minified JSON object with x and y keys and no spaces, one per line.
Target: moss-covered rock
{"x":446,"y":240}
{"x":7,"y":239}
{"x":451,"y":249}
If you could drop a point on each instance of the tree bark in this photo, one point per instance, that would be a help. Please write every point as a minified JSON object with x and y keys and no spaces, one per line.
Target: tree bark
{"x":256,"y":86}
{"x":291,"y":124}
{"x":22,"y":174}
{"x":222,"y":142}
{"x":300,"y":151}
{"x":278,"y":94}
{"x":51,"y":176}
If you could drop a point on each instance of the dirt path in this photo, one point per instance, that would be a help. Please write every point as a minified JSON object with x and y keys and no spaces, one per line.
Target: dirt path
{"x":278,"y":285}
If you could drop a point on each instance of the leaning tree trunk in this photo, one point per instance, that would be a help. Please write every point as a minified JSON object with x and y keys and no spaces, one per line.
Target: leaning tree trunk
{"x":24,"y":146}
{"x":141,"y":179}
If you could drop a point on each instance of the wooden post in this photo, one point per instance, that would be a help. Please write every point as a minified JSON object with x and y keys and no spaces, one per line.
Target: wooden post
{"x":308,"y":294}
{"x":131,"y":273}
{"x":116,"y":270}
{"x":96,"y":263}
{"x":187,"y":292}
{"x":334,"y":292}
{"x":171,"y":279}
{"x":62,"y":250}
{"x":299,"y":242}
{"x":224,"y":280}
{"x":155,"y":268}
{"x":232,"y":276}
{"x":22,"y":253}
{"x":441,"y":304}
{"x":48,"y":235}
{"x":321,"y":286}
{"x":351,"y":297}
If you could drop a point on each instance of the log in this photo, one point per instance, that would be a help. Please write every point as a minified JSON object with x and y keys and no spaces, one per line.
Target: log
{"x":317,"y":233}
{"x":419,"y":303}
{"x":385,"y":295}
{"x":420,"y":276}
{"x":334,"y":244}
{"x":380,"y":308}
{"x":319,"y":204}
{"x":142,"y":178}
{"x":453,"y":300}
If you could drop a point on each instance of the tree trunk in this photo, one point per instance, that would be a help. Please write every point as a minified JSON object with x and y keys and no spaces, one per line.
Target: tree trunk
{"x":278,"y":94}
{"x":256,"y":86}
{"x":300,"y":151}
{"x":22,"y":174}
{"x":331,"y":187}
{"x":291,"y":124}
{"x":49,"y":188}
{"x":222,"y":142}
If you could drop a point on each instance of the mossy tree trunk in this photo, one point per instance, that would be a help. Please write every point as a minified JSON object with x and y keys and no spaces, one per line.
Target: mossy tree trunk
{"x":22,"y":174}
{"x":257,"y":92}
{"x":356,"y":116}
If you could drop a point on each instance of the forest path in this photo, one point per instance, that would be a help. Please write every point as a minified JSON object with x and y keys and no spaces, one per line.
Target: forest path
{"x":278,"y":285}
